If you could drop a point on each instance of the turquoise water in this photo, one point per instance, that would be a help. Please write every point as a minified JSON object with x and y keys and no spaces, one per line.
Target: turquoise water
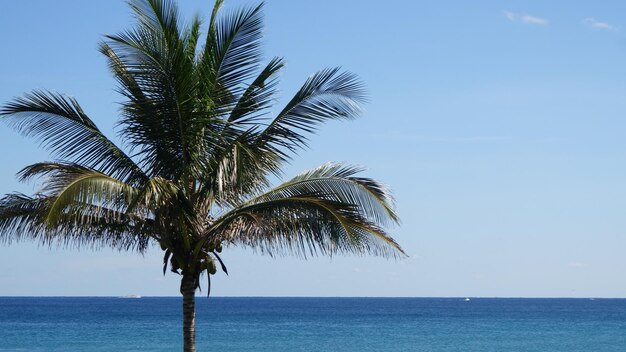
{"x":314,"y":324}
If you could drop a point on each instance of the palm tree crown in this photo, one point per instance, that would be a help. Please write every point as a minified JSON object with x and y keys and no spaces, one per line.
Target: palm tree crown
{"x":200,"y":149}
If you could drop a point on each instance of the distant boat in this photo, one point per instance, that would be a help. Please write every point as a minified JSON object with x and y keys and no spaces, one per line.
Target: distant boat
{"x":466,"y":299}
{"x":131,"y":296}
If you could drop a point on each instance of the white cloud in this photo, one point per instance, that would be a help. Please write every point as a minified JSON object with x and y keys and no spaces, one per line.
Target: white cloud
{"x":509,"y":15}
{"x":593,"y":23}
{"x":526,"y":19}
{"x":533,"y":20}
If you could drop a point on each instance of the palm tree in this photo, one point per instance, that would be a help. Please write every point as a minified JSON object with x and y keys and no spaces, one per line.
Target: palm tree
{"x":200,"y":153}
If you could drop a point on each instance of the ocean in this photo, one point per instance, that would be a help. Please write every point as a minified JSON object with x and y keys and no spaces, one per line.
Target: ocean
{"x":90,"y":324}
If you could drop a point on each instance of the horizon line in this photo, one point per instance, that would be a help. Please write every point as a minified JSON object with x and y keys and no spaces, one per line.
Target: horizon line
{"x":390,"y":297}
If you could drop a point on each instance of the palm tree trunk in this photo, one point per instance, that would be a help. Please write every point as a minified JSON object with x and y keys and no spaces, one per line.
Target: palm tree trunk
{"x":188,"y":290}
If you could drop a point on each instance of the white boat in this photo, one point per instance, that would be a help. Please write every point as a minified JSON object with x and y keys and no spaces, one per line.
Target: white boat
{"x":131,"y":296}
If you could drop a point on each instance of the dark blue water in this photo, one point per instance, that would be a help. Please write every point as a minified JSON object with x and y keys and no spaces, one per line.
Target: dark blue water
{"x":315,"y":324}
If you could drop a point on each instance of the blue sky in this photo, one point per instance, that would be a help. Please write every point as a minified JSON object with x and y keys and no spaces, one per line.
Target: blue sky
{"x":498,"y":124}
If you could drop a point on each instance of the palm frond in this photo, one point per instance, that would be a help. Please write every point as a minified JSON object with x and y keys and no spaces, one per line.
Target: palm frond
{"x":54,"y":174}
{"x":21,"y":217}
{"x":25,"y":218}
{"x":325,"y":210}
{"x":327,"y":95}
{"x":191,"y":37}
{"x":75,"y":188}
{"x":158,"y":15}
{"x":155,"y":139}
{"x":258,"y":96}
{"x":337,"y":182}
{"x":232,"y":51}
{"x":238,"y":169}
{"x":304,"y":225}
{"x":61,"y":125}
{"x":236,"y":165}
{"x":155,"y":67}
{"x":158,"y":193}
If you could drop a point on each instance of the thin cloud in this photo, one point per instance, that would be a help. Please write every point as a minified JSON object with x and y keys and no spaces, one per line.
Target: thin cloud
{"x":509,"y":15}
{"x":526,"y":19}
{"x":533,"y":20}
{"x":595,"y":24}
